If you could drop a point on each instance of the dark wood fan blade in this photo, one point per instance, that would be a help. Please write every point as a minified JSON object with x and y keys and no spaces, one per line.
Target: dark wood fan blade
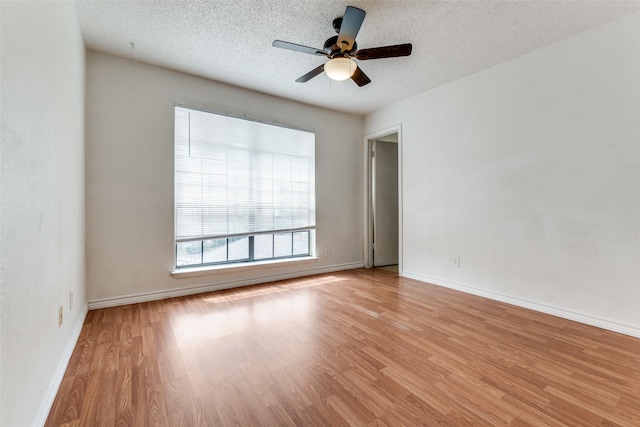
{"x":360,"y":78}
{"x":311,"y":74}
{"x":298,"y":48}
{"x":384,"y":52}
{"x":351,"y":23}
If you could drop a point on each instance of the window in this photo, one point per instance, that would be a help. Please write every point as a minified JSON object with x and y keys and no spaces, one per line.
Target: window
{"x":244,"y":191}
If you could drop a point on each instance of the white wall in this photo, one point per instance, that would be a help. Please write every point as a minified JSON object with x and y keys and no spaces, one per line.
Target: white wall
{"x":130,"y":231}
{"x":42,"y":203}
{"x":530,"y":171}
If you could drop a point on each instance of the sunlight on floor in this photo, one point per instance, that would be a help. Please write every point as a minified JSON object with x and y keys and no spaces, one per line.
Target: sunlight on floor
{"x":223,"y":320}
{"x":258,"y":290}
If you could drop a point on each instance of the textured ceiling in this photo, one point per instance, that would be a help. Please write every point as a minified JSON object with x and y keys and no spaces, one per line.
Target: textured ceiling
{"x":230,"y":41}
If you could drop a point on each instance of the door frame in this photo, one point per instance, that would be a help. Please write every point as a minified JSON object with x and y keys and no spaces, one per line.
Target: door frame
{"x":368,"y":199}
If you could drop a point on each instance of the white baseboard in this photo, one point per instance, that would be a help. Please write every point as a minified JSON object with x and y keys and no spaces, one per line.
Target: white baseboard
{"x":56,"y":380}
{"x":179,"y":292}
{"x":554,"y":311}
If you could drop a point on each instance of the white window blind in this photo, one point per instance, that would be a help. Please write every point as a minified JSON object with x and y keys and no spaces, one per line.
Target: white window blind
{"x":235,"y":177}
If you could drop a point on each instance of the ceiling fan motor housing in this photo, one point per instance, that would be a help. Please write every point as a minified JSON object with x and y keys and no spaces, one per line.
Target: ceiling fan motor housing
{"x":333,"y":50}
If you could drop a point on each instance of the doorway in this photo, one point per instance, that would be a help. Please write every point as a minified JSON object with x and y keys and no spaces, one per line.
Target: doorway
{"x":383,"y":243}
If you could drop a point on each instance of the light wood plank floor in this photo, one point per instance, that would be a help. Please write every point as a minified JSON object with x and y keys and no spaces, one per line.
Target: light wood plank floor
{"x":361,"y":347}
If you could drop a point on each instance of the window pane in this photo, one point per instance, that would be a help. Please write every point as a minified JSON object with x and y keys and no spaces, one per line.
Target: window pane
{"x":188,"y":221}
{"x":300,"y":195}
{"x":188,"y":253}
{"x":263,"y":246}
{"x":264,"y":219}
{"x":282,"y":244}
{"x":282,"y":219}
{"x":300,"y":169}
{"x":301,"y":243}
{"x":214,"y":250}
{"x":214,"y":220}
{"x":282,"y":193}
{"x":238,"y":248}
{"x":282,"y":167}
{"x":239,"y":219}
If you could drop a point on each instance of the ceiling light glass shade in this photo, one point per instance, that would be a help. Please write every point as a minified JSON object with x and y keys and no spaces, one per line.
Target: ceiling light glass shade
{"x":340,"y":68}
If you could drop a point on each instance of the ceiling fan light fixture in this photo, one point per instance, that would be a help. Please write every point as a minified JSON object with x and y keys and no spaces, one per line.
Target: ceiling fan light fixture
{"x":340,"y":68}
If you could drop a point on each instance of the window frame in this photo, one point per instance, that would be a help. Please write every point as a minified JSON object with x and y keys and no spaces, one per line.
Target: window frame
{"x":251,"y":259}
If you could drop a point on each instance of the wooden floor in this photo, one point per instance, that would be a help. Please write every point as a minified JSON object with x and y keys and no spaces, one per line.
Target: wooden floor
{"x":361,"y":347}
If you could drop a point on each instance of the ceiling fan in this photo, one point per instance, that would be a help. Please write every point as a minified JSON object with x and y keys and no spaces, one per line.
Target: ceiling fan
{"x":341,"y":50}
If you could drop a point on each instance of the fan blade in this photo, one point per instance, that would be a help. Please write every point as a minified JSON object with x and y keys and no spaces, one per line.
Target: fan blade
{"x":298,"y":48}
{"x":384,"y":52}
{"x":351,"y":23}
{"x":360,"y":78}
{"x":311,"y":74}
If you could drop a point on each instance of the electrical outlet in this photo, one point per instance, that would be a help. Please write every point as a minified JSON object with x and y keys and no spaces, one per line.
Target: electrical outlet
{"x":327,"y":251}
{"x":60,"y":316}
{"x":455,"y":261}
{"x":70,"y":300}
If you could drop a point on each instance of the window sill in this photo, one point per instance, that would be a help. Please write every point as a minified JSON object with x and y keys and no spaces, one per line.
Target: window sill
{"x":180,"y":273}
